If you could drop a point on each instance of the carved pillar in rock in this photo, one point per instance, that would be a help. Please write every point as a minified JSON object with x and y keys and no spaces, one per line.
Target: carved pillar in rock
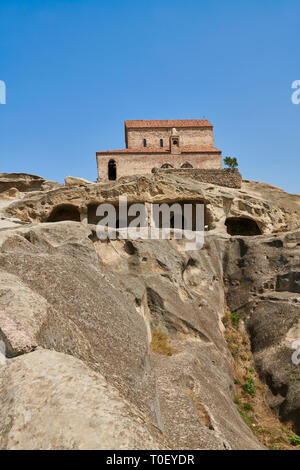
{"x":83,"y":214}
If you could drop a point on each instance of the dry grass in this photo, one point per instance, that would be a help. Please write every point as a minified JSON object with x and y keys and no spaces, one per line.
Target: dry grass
{"x":160,"y":344}
{"x":203,"y":415}
{"x":250,"y":392}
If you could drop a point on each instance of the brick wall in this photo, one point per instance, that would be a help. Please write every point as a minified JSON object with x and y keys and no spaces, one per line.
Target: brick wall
{"x":189,"y":137}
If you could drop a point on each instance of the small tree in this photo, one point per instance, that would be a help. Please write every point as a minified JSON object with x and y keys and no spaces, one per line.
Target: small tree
{"x":231,"y":162}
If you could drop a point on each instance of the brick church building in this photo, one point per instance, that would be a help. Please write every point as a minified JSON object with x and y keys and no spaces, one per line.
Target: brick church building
{"x":184,"y":143}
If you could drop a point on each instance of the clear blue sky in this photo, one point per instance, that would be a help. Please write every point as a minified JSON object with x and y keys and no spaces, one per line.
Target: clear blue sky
{"x":75,"y":70}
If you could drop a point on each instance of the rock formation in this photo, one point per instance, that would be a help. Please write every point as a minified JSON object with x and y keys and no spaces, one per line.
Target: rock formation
{"x":121,"y":344}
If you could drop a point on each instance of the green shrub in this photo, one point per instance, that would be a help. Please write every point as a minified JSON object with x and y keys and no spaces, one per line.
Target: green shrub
{"x":231,"y":162}
{"x":235,"y":318}
{"x":249,"y":387}
{"x":295,"y":440}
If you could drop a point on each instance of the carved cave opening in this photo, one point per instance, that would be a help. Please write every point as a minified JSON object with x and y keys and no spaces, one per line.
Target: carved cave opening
{"x":120,"y":222}
{"x":242,"y":226}
{"x":64,"y":212}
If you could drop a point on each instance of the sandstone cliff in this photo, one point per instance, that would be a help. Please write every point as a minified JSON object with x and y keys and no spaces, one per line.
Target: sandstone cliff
{"x":128,"y":344}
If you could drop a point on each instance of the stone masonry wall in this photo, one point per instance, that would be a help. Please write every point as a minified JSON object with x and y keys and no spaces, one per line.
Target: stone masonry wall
{"x":137,"y":164}
{"x":221,"y":177}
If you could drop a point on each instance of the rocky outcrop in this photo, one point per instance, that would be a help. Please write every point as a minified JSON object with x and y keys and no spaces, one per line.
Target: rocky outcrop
{"x":126,"y":337}
{"x":101,"y":304}
{"x":75,"y":181}
{"x":282,"y":213}
{"x":69,"y":305}
{"x":20,"y":181}
{"x":263,"y":285}
{"x":53,"y":401}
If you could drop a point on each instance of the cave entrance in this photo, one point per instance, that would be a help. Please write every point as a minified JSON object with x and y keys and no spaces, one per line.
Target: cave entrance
{"x":242,"y":226}
{"x":120,"y":221}
{"x":181,"y":221}
{"x":64,"y":212}
{"x":174,"y":223}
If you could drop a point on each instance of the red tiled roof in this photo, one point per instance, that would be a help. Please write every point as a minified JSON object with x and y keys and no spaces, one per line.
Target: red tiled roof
{"x":160,"y":150}
{"x":137,"y":124}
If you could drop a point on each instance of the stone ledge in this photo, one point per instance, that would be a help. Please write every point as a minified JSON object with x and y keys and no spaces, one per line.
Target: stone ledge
{"x":22,"y":181}
{"x":221,"y":177}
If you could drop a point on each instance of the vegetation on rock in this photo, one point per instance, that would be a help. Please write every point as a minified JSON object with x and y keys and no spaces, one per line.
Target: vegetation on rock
{"x":231,"y":162}
{"x":250,"y":392}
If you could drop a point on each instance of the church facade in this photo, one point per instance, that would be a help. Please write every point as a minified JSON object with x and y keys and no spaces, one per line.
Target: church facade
{"x":184,"y":143}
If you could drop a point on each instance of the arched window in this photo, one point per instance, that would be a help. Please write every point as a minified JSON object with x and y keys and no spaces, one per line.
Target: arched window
{"x":112,"y":170}
{"x":145,"y":143}
{"x":161,"y":142}
{"x":186,"y":165}
{"x":166,"y":165}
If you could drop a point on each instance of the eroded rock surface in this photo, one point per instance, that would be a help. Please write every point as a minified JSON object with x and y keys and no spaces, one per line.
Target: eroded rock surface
{"x":79,"y":315}
{"x":263,"y":285}
{"x":52,"y":401}
{"x":270,"y":208}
